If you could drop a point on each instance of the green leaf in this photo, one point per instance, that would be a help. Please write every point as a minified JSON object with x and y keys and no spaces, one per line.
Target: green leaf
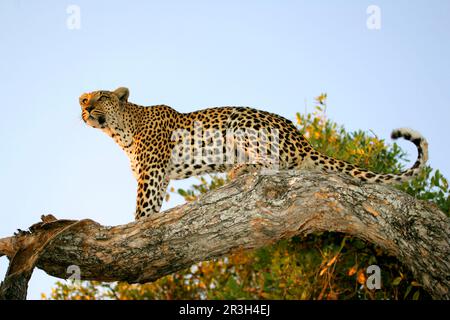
{"x":408,"y":290}
{"x":396,"y":281}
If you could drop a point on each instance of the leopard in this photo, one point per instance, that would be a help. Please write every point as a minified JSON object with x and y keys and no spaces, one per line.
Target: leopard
{"x":163,"y":144}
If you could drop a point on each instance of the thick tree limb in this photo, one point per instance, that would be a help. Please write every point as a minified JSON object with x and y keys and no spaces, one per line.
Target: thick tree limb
{"x":250,"y":212}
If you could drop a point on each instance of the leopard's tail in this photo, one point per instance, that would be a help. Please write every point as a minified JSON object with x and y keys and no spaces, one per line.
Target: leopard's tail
{"x":330,"y":164}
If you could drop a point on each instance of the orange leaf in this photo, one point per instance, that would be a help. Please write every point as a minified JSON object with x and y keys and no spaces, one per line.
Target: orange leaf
{"x":332,"y":261}
{"x":361,"y":277}
{"x":352,"y":271}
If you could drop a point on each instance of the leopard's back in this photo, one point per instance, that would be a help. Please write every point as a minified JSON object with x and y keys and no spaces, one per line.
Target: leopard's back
{"x":207,"y":146}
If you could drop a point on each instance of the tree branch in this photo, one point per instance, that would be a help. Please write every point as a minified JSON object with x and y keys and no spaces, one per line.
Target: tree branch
{"x":250,"y":212}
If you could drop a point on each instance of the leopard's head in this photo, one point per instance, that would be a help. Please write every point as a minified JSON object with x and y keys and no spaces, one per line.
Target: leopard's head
{"x":100,"y":108}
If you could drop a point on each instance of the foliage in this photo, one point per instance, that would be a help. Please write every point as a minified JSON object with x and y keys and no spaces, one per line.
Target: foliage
{"x":320,"y":266}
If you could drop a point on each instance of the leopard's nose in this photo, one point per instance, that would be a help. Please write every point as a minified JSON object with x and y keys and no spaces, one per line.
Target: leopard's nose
{"x":89,"y":109}
{"x":85,"y":99}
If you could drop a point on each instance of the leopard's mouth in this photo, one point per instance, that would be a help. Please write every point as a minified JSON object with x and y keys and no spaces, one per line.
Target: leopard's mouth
{"x":98,"y":122}
{"x":101,"y":120}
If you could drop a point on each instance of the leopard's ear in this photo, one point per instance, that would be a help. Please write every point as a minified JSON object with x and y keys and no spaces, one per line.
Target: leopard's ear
{"x":122,"y":93}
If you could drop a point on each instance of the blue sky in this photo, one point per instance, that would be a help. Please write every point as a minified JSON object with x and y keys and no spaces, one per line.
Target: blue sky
{"x":272,"y":55}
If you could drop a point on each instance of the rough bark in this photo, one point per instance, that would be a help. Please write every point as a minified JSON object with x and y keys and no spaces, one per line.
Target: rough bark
{"x":250,"y":212}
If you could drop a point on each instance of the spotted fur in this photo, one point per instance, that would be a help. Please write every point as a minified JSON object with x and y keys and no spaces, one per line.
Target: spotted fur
{"x":146,"y":134}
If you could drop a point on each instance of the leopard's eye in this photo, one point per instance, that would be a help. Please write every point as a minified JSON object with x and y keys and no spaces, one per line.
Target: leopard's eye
{"x":102,"y":98}
{"x":84,"y":101}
